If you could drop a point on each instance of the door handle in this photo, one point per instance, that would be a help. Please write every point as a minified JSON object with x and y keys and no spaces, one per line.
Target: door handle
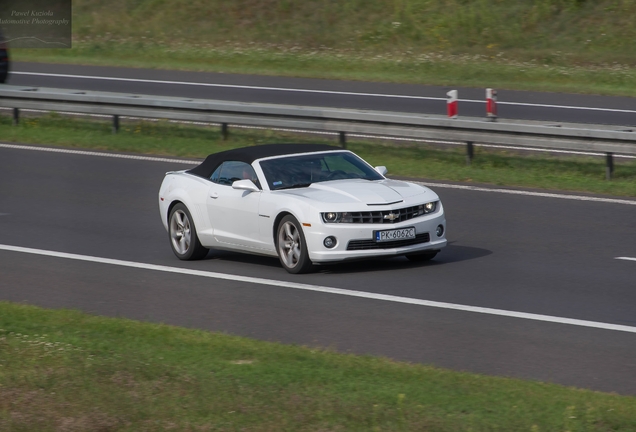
{"x":214,"y":195}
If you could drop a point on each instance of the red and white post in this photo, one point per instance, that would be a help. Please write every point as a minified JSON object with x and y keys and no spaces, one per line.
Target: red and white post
{"x":451,"y":104}
{"x":491,"y":104}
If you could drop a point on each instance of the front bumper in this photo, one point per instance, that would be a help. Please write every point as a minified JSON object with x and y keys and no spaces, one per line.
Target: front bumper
{"x":346,"y":233}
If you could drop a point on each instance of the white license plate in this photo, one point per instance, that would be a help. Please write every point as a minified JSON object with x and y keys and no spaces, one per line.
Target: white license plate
{"x":396,"y":234}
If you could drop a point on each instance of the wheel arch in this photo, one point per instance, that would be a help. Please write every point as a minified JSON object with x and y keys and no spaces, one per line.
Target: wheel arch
{"x":171,"y":206}
{"x":277,"y":220}
{"x":191,"y":195}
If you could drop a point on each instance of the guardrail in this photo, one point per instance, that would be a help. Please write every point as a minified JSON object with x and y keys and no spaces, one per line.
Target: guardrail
{"x":533,"y":134}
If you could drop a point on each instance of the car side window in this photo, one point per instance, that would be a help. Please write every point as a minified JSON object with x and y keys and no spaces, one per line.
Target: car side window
{"x":215,"y":175}
{"x":231,"y":171}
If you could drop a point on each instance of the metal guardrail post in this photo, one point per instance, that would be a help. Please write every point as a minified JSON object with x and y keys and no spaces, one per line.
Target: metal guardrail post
{"x":115,"y":123}
{"x":16,"y":116}
{"x":470,"y":152}
{"x":343,"y":139}
{"x":224,"y":131}
{"x":609,"y":165}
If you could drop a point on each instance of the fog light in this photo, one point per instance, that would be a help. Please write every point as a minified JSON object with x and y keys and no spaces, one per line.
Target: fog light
{"x":329,"y":242}
{"x":440,"y":230}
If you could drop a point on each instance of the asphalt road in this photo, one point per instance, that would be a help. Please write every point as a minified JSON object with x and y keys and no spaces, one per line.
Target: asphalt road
{"x":518,"y":253}
{"x":550,"y":107}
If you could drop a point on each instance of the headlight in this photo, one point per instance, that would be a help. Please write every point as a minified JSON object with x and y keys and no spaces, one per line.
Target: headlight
{"x":333,"y":217}
{"x":427,"y":208}
{"x":330,"y":217}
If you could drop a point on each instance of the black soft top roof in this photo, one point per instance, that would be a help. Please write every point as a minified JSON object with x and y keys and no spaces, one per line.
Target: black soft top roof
{"x":250,"y":154}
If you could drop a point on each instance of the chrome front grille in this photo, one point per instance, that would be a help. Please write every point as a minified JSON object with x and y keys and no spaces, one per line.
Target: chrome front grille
{"x":385,"y":216}
{"x":372,"y":244}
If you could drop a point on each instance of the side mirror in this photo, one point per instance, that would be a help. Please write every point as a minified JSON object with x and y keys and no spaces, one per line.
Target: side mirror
{"x":381,"y":169}
{"x":247,"y":185}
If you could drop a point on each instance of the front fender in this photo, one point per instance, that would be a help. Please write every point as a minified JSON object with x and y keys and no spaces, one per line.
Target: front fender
{"x":272,"y":209}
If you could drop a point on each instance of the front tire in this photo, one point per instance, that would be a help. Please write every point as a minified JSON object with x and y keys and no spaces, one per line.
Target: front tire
{"x":291,"y":246}
{"x":183,"y":235}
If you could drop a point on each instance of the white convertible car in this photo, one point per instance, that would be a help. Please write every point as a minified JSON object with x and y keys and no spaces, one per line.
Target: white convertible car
{"x":307,"y":204}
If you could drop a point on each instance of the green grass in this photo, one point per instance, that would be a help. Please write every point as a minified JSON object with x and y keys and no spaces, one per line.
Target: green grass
{"x":536,"y":170}
{"x":580,"y":46}
{"x":65,"y":370}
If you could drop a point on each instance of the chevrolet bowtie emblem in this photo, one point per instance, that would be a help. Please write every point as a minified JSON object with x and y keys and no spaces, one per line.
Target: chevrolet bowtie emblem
{"x":392,"y":216}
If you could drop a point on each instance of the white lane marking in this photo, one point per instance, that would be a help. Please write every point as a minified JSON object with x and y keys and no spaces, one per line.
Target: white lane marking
{"x":324,"y":289}
{"x":282,"y":89}
{"x":428,"y":184}
{"x":573,"y":107}
{"x":90,"y":153}
{"x":626,"y":258}
{"x":527,"y":193}
{"x":235,"y":86}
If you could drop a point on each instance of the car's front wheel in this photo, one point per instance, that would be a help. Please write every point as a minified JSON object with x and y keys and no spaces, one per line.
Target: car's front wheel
{"x":291,"y":246}
{"x":183,"y":235}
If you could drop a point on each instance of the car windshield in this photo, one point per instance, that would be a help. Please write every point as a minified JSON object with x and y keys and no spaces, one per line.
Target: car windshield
{"x":301,"y":171}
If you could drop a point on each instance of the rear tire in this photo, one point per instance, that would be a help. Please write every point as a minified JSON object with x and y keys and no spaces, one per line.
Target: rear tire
{"x":292,"y":247}
{"x":422,"y":257}
{"x":183,"y":235}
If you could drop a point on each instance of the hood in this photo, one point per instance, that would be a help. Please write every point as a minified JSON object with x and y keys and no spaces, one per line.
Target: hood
{"x":381,"y":192}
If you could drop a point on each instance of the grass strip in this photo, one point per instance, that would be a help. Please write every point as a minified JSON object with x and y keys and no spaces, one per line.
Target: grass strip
{"x":66,"y":370}
{"x":500,"y":167}
{"x":578,"y":46}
